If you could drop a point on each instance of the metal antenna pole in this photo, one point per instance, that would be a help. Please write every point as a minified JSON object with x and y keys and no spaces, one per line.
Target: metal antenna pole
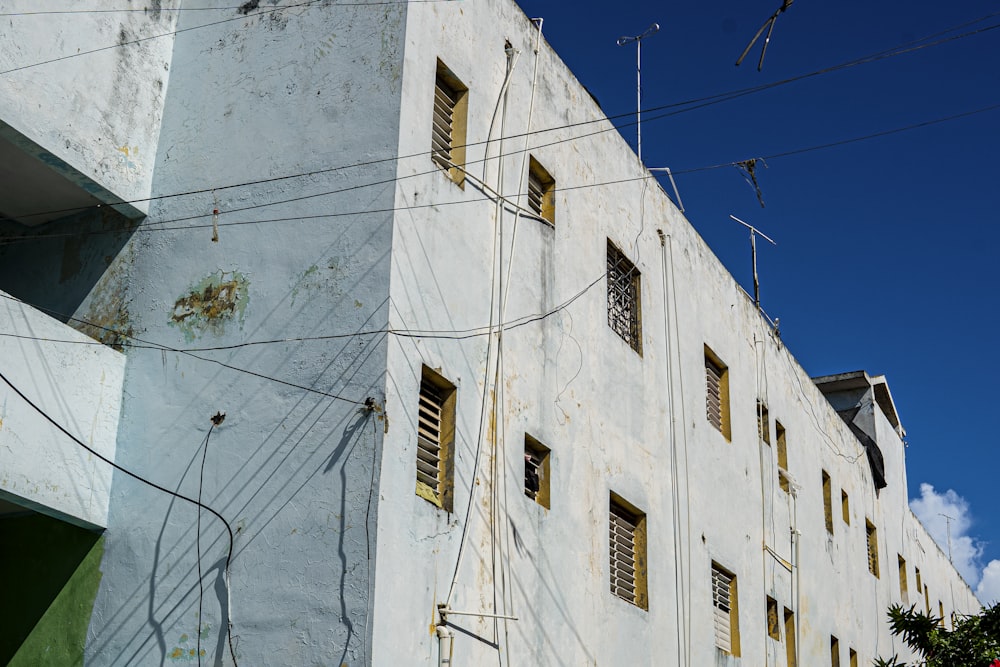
{"x":622,"y":41}
{"x":754,"y":232}
{"x":948,"y":520}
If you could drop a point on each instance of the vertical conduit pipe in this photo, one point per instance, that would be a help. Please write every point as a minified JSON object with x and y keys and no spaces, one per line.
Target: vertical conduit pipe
{"x":446,"y":645}
{"x":675,"y":494}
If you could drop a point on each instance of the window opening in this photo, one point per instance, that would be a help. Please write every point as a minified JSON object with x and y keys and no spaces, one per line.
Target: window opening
{"x":717,"y":393}
{"x":449,"y":123}
{"x":623,"y":298}
{"x":627,"y":547}
{"x":541,"y":191}
{"x":853,"y":657}
{"x":791,"y":654}
{"x":435,"y":439}
{"x":834,"y":652}
{"x":783,"y":477}
{"x":903,"y":593}
{"x":845,"y":507}
{"x":773,"y":624}
{"x":763,"y":423}
{"x":827,"y":503}
{"x":872,"y":539}
{"x":724,"y":601}
{"x":536,"y":471}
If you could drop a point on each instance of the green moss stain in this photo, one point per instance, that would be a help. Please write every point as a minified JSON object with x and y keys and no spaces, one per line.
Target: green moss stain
{"x":51,"y":576}
{"x":211,"y":304}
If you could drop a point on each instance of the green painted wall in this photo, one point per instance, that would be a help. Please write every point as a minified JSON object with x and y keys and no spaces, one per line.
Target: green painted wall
{"x":49,"y":572}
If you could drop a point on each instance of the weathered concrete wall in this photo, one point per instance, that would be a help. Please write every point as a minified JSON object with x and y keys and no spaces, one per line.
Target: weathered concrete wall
{"x":305,"y":93}
{"x":604,"y":410}
{"x":87,"y":89}
{"x":79,"y":384}
{"x":73,"y":269}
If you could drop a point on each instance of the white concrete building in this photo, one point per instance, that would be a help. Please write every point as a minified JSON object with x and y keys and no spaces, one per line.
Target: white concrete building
{"x":417,"y":362}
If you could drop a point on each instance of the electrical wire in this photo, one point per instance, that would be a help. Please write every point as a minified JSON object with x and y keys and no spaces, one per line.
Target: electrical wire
{"x":480,"y":434}
{"x":460,"y":334}
{"x":151,"y":226}
{"x":167,"y":348}
{"x":140,"y":40}
{"x":197,"y":535}
{"x":147,"y":10}
{"x":683,"y":106}
{"x":143,"y":480}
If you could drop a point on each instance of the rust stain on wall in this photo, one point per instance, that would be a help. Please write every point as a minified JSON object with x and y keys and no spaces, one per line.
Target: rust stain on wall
{"x":211,"y":304}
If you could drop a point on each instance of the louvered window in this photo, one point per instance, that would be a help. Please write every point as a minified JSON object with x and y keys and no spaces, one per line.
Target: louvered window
{"x":435,"y":433}
{"x":623,"y":298}
{"x":724,"y":605}
{"x":872,"y":540}
{"x":717,"y":393}
{"x":445,"y":99}
{"x":536,"y":471}
{"x":763,"y":423}
{"x":627,"y":553}
{"x":541,"y":191}
{"x":449,"y":123}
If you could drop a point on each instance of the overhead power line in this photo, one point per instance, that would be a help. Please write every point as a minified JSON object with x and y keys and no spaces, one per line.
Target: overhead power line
{"x":159,"y":487}
{"x":172,"y":10}
{"x":163,"y":225}
{"x":678,"y":108}
{"x":167,"y":348}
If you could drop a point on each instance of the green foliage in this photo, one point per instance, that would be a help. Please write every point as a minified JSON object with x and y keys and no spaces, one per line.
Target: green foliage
{"x":974,"y":641}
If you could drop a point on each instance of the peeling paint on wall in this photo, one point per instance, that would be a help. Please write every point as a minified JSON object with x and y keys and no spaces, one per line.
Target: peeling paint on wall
{"x":211,"y":304}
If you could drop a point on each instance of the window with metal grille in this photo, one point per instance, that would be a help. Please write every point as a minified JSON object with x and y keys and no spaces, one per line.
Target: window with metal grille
{"x":435,"y":439}
{"x":627,"y":551}
{"x":763,"y":422}
{"x":834,"y":652}
{"x":871,"y":535}
{"x":717,"y":393}
{"x":827,"y":503}
{"x":783,"y":476}
{"x":845,"y":507}
{"x":536,"y":471}
{"x":724,"y":603}
{"x":449,"y":123}
{"x":904,"y":594}
{"x":623,"y":298}
{"x":541,"y":191}
{"x":773,"y":624}
{"x":791,"y":653}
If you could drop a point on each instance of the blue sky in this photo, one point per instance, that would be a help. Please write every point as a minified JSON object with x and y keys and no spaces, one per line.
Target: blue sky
{"x":886,"y":247}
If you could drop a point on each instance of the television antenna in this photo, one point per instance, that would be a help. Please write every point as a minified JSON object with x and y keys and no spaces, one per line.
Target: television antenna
{"x":754,"y":233}
{"x":622,"y":41}
{"x":948,"y":520}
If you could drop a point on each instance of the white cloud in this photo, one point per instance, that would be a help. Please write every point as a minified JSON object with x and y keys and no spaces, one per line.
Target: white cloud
{"x":933,"y":508}
{"x":988,"y":591}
